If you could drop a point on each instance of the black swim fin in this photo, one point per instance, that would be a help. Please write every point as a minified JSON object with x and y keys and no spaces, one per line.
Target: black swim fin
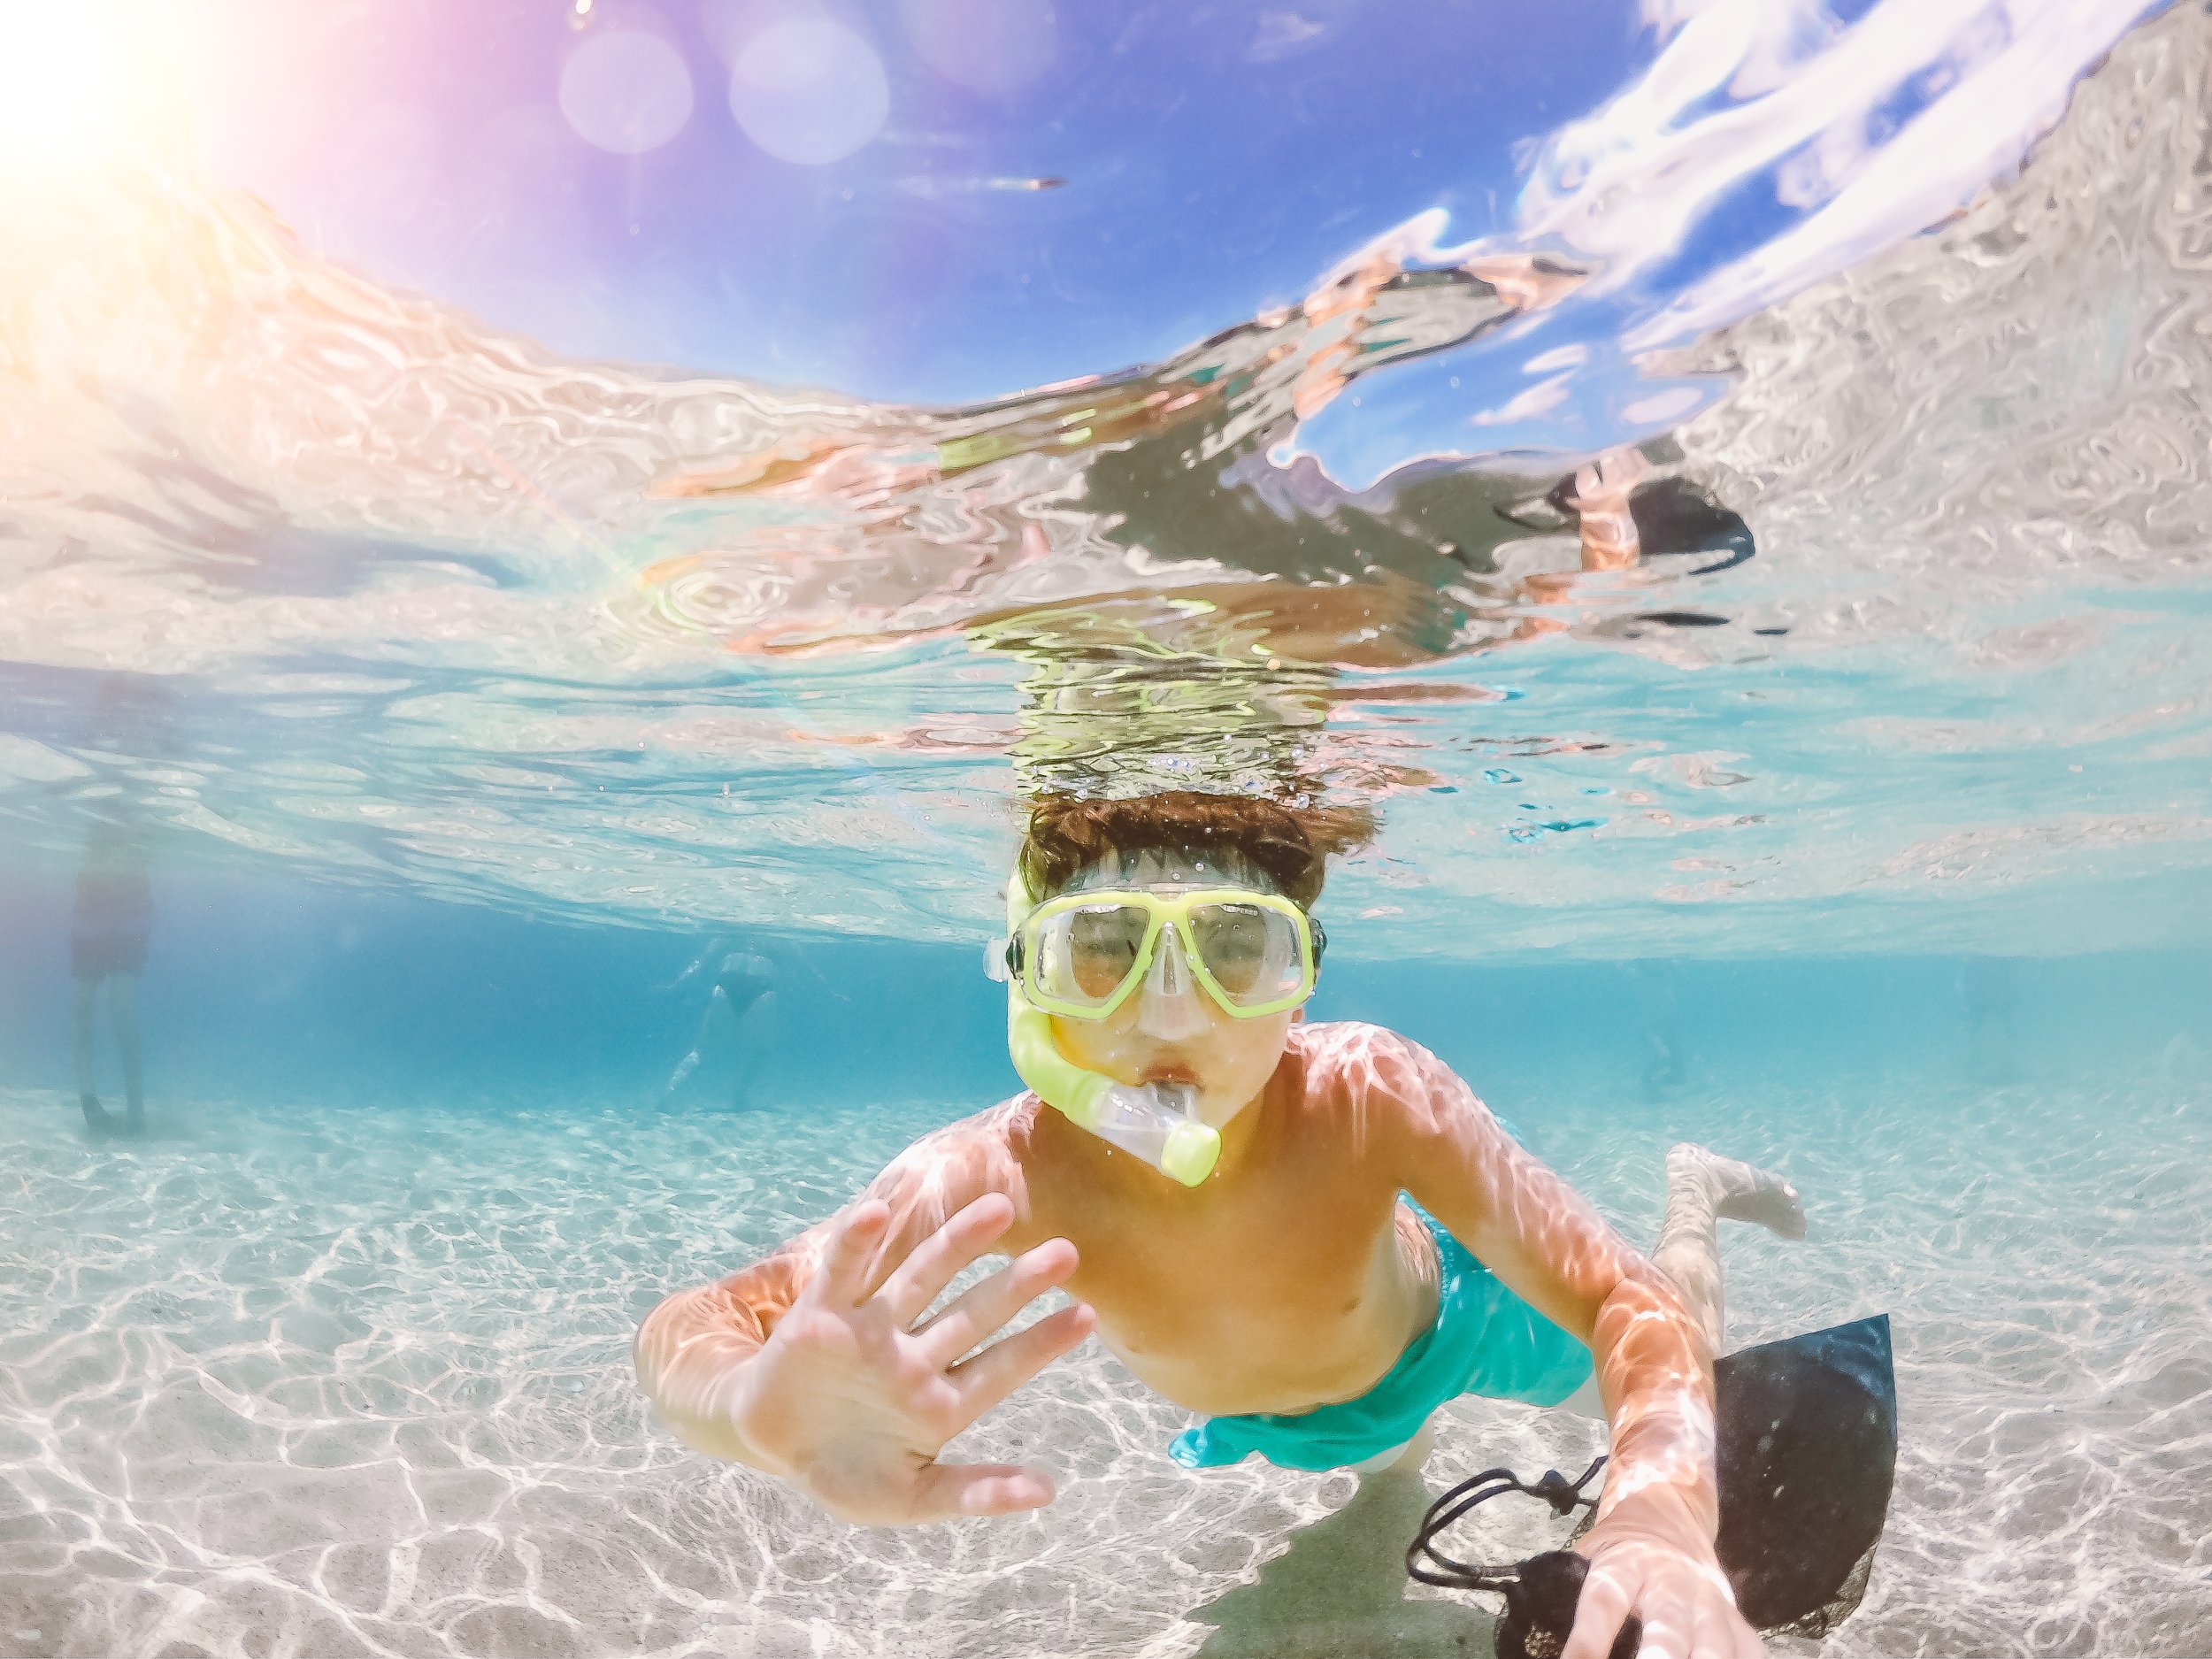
{"x":1807,"y":1449}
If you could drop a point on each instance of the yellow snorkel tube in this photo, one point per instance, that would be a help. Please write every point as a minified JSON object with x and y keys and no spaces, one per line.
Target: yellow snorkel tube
{"x":1157,"y":1122}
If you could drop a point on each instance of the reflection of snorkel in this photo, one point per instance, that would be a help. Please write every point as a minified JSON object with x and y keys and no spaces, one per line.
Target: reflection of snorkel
{"x":1157,"y":1122}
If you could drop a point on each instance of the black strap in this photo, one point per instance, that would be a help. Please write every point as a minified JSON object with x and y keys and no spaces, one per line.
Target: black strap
{"x":1430,"y":1565}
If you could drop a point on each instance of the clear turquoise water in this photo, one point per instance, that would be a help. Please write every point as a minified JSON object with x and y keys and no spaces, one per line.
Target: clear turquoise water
{"x":459,"y":719}
{"x":355,"y":1380}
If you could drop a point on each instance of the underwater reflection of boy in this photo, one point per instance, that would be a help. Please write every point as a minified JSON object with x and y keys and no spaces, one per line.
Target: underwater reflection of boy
{"x":1325,"y":1237}
{"x":107,"y":946}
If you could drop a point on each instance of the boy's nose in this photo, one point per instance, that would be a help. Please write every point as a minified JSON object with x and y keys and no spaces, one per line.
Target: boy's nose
{"x":1169,"y":1007}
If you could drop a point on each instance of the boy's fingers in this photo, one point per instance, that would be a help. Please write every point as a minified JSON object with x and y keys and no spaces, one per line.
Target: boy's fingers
{"x":1667,"y":1632}
{"x":1005,"y":1366}
{"x":949,"y":1491}
{"x":1599,"y":1614}
{"x":1735,"y":1638}
{"x":937,"y":1260}
{"x":853,"y":1241}
{"x":1724,"y":1637}
{"x":979,"y":1311}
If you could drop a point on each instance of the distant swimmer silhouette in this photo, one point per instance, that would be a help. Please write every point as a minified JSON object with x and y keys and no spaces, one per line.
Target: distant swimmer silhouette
{"x":740,"y":1018}
{"x":107,"y":945}
{"x":113,"y":905}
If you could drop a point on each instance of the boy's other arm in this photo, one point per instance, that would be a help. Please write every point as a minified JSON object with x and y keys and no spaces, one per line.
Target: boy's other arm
{"x":1654,"y":1374}
{"x":809,"y":1364}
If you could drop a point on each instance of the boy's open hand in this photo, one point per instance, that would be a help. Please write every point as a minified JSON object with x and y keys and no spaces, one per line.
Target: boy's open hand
{"x":850,"y":1401}
{"x":1647,"y":1558}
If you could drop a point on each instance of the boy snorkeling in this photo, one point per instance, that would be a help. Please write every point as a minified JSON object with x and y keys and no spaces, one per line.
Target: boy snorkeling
{"x":1321,"y":1236}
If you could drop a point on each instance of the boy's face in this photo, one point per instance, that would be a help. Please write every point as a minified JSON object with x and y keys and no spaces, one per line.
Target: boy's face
{"x":1171,"y":1029}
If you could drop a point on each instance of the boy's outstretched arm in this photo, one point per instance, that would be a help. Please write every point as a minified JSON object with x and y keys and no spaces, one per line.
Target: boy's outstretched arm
{"x":1651,"y":1548}
{"x":813,"y":1365}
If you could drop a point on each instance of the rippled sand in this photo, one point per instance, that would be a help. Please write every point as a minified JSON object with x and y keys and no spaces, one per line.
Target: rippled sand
{"x":330,"y":1383}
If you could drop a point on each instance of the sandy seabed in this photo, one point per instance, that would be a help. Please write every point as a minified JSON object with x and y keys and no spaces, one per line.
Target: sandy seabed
{"x":336,"y":1381}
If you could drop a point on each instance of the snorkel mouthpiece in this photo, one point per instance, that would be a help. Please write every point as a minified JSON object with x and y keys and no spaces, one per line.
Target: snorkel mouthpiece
{"x":1157,"y":1122}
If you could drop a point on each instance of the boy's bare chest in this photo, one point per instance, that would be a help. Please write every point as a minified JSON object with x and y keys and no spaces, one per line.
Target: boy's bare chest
{"x":1176,"y":1224}
{"x":1229,"y":1250}
{"x":1243,"y":1296}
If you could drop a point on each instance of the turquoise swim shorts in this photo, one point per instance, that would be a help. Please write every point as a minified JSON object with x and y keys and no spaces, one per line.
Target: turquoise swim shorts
{"x":1486,"y":1340}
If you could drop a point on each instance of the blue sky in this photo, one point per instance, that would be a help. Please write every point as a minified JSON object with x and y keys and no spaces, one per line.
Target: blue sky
{"x":1217,"y":158}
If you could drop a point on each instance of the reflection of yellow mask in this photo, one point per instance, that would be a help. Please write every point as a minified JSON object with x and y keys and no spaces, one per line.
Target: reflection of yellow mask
{"x":1159,"y":692}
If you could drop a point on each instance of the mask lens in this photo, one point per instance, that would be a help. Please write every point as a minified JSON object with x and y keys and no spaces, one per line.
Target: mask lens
{"x":1251,"y":950}
{"x":1083,"y":956}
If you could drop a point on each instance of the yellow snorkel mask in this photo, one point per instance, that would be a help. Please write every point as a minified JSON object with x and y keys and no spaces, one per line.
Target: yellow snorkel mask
{"x":1083,"y":955}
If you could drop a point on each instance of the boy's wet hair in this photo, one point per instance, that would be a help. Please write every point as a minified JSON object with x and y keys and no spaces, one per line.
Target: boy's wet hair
{"x":1292,"y":843}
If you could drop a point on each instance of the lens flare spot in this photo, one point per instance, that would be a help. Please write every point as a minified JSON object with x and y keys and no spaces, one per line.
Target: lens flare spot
{"x":810,"y":91}
{"x":986,"y":45}
{"x":627,"y":92}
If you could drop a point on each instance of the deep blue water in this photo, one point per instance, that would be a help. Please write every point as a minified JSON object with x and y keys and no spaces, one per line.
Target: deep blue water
{"x":290,"y":990}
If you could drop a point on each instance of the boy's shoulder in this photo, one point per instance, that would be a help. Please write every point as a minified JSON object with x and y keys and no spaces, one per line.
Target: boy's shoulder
{"x":1325,"y":1036}
{"x":1339,"y":1054}
{"x":1368,"y":1076}
{"x":986,"y":1146}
